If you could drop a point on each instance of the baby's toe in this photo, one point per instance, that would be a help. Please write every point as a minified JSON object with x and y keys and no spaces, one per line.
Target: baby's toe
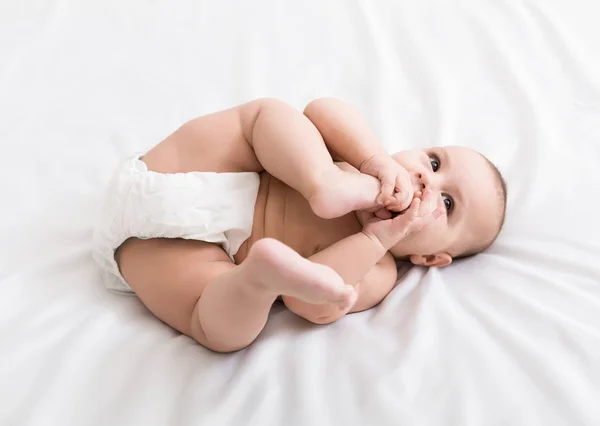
{"x":349,"y":298}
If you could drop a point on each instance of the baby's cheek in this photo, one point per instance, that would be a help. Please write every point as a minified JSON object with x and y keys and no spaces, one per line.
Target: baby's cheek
{"x":428,"y":240}
{"x":431,"y":238}
{"x":415,"y":243}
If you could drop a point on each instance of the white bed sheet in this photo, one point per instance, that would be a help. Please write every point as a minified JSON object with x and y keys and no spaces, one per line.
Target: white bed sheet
{"x":511,"y":337}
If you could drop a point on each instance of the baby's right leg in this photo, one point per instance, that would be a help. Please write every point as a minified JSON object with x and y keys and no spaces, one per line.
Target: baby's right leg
{"x":270,"y":135}
{"x":290,"y":147}
{"x":193,"y":287}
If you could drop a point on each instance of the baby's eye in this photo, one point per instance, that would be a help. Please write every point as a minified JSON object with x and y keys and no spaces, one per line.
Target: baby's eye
{"x":435,"y":163}
{"x":448,"y":202}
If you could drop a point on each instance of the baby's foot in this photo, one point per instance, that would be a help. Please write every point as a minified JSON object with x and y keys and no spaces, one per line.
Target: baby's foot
{"x":340,"y":192}
{"x":278,"y":269}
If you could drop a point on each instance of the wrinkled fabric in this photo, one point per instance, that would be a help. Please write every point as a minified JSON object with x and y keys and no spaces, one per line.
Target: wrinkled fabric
{"x":508,"y":337}
{"x":213,"y":207}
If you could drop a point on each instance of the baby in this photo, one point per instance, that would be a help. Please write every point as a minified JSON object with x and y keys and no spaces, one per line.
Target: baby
{"x":239,"y":208}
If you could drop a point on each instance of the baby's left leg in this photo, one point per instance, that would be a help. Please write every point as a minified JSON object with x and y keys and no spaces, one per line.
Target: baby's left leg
{"x":196,"y":289}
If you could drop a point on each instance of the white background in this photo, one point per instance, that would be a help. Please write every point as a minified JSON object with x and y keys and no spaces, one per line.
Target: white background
{"x":511,"y":337}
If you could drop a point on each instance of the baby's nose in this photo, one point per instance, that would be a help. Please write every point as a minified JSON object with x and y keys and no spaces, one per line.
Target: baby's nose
{"x":417,"y":182}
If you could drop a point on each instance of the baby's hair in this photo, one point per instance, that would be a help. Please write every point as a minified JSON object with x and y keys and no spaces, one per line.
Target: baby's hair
{"x":501,"y":191}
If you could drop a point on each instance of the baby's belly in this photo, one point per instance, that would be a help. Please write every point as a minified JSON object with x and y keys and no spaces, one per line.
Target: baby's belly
{"x":282,"y":213}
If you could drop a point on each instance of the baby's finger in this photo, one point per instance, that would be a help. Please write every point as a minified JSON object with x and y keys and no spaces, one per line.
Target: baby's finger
{"x":404,"y":188}
{"x":411,"y":213}
{"x":400,"y":202}
{"x":387,"y":187}
{"x":398,"y":207}
{"x":441,"y":207}
{"x":403,"y":181}
{"x":415,"y":206}
{"x":365,"y":217}
{"x":395,"y":206}
{"x":373,"y":209}
{"x":436,"y":211}
{"x":390,"y":201}
{"x":430,"y":201}
{"x":429,"y":217}
{"x":427,"y":220}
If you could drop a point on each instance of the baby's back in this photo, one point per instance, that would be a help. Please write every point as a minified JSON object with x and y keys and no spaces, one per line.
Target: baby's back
{"x":283,"y":213}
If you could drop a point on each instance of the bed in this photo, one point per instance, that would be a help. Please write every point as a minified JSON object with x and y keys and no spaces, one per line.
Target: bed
{"x":509,"y":337}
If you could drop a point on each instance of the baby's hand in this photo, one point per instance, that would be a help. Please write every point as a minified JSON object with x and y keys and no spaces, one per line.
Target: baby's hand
{"x":396,"y":186}
{"x":424,"y":210}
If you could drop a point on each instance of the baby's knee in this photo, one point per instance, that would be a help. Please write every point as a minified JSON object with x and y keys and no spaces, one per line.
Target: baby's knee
{"x":223,"y":346}
{"x":220,"y":343}
{"x":262,"y":105}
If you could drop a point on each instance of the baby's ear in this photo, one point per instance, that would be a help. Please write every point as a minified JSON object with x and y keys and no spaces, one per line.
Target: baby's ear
{"x":439,"y":259}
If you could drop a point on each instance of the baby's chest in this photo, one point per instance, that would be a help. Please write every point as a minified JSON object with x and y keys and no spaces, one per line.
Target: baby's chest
{"x":307,"y":233}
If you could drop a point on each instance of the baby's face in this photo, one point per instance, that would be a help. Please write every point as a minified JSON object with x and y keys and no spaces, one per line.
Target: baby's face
{"x":469,"y":188}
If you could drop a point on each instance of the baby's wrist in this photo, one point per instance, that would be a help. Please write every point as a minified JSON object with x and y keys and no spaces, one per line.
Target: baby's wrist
{"x":377,"y":244}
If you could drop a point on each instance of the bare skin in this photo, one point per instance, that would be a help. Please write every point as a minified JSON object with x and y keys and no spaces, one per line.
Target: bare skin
{"x":307,"y":246}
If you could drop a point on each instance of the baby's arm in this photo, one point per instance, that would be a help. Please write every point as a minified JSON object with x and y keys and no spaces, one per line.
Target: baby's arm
{"x":363,"y":260}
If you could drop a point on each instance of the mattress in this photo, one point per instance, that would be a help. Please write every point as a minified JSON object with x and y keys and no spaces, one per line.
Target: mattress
{"x":509,"y":337}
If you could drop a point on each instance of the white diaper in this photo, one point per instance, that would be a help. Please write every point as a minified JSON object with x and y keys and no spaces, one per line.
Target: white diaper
{"x":212,"y":207}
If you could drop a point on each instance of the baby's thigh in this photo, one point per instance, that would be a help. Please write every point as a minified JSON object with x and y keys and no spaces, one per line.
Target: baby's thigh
{"x":169,"y":275}
{"x":215,"y":142}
